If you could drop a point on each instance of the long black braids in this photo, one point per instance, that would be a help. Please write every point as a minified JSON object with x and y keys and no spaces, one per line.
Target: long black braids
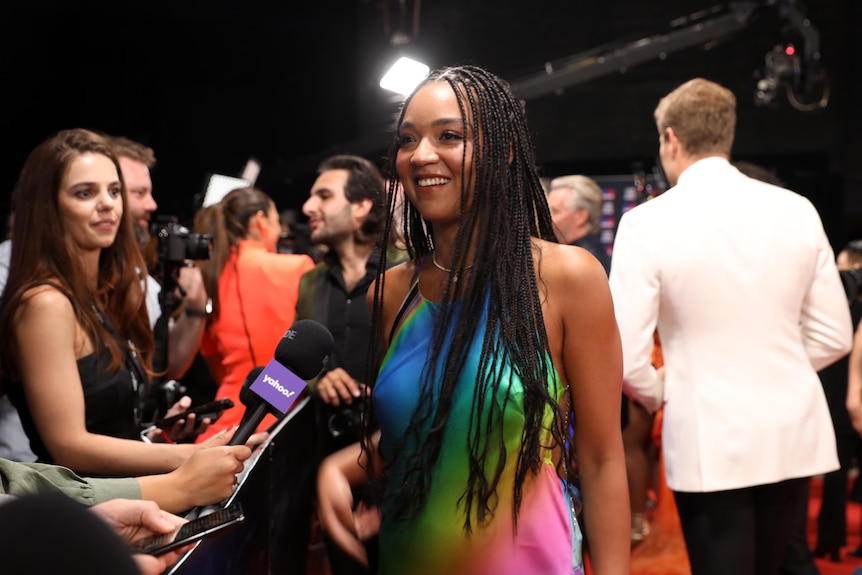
{"x":508,"y":208}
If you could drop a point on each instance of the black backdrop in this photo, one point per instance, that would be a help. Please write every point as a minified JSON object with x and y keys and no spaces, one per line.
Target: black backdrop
{"x":210,"y":84}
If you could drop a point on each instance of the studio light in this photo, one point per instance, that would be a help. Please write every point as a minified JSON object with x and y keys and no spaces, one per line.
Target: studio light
{"x":403,"y":76}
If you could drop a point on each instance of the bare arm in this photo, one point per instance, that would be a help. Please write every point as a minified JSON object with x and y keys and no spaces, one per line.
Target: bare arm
{"x":854,"y":382}
{"x":55,"y":396}
{"x":206,"y":478}
{"x":583,"y":332}
{"x":347,"y":468}
{"x":337,"y":475}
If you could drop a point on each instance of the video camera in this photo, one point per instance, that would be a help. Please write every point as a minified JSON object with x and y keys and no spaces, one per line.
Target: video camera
{"x":177,"y":244}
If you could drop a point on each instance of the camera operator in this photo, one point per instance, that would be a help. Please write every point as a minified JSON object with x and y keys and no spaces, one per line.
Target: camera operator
{"x":184,"y":332}
{"x":346,"y":210}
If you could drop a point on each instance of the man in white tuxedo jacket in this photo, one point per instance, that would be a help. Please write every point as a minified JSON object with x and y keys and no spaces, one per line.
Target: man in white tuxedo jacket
{"x":739,"y":279}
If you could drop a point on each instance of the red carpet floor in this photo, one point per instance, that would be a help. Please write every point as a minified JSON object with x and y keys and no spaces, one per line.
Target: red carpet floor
{"x":663,"y":552}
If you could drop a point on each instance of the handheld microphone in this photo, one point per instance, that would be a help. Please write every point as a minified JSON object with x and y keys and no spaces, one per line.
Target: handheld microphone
{"x":248,"y":398}
{"x":300,"y":355}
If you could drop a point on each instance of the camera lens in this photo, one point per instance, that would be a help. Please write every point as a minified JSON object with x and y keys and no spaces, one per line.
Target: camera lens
{"x":199,"y":247}
{"x":346,"y":419}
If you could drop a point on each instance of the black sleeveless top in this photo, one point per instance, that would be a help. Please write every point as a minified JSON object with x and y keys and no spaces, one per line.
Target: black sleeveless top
{"x":110,"y":399}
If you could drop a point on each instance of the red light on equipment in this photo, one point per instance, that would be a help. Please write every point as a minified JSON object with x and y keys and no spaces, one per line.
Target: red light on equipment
{"x":790,"y":50}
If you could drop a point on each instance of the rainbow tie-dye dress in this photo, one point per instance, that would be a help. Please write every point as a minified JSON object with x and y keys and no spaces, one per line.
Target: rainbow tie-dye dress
{"x":547,"y":541}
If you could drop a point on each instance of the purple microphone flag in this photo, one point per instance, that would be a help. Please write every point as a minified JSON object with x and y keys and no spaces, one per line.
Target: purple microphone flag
{"x":278,"y":386}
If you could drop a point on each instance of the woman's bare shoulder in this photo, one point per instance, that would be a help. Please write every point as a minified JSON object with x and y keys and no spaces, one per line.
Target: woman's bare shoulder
{"x":396,"y":279}
{"x":44,"y":312}
{"x":396,"y":284}
{"x":46,"y":298}
{"x":401,"y":273}
{"x":564,"y":266}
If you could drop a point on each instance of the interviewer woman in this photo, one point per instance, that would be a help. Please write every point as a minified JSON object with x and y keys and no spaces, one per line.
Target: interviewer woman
{"x":77,"y":346}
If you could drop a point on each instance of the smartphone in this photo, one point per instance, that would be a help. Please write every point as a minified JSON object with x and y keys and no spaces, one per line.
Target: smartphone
{"x":215,"y":522}
{"x":212,"y":410}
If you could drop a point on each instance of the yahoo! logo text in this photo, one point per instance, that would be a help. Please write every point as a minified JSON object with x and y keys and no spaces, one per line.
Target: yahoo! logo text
{"x":277,"y":386}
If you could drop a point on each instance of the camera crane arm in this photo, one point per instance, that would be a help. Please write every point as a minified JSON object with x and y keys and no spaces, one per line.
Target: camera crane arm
{"x":698,"y":29}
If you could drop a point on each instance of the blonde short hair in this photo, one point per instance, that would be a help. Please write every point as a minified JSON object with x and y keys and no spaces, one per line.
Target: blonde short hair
{"x":702,"y":115}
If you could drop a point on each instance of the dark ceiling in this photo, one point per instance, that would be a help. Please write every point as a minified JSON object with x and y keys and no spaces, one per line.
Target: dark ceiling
{"x":288,"y":83}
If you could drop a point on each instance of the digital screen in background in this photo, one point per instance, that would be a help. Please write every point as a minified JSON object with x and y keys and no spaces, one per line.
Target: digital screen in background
{"x":620,"y":193}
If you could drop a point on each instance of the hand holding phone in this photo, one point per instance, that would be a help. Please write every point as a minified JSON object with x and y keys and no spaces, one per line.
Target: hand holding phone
{"x":215,"y":522}
{"x":211,"y":410}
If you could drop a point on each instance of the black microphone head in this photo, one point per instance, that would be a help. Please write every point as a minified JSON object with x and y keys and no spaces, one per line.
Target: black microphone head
{"x":246,"y":396}
{"x":305,"y":347}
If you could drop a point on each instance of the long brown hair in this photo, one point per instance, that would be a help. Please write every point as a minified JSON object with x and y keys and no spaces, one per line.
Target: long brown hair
{"x":44,"y":254}
{"x":227,"y":222}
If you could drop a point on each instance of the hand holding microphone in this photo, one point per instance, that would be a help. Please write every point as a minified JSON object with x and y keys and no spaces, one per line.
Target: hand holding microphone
{"x":248,"y":398}
{"x":301,"y":354}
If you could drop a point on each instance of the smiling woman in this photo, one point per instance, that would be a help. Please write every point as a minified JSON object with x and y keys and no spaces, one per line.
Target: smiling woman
{"x":69,"y":207}
{"x":486,"y":362}
{"x":76,"y":289}
{"x":435,"y":150}
{"x":91,"y":202}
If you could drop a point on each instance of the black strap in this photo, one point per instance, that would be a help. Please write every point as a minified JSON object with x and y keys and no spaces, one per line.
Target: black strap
{"x":408,"y":299}
{"x":140,"y":381}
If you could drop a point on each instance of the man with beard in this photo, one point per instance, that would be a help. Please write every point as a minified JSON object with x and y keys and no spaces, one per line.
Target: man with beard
{"x":346,"y":213}
{"x":185,"y":330}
